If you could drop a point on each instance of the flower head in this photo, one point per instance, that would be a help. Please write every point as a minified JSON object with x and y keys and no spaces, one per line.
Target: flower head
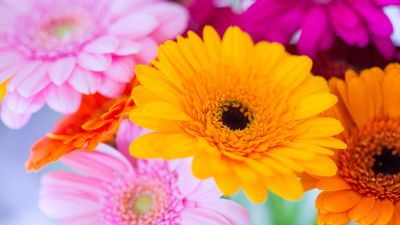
{"x":108,"y":189}
{"x":97,"y":120}
{"x":247,"y":111}
{"x":320,"y":22}
{"x":366,"y":187}
{"x":54,"y":51}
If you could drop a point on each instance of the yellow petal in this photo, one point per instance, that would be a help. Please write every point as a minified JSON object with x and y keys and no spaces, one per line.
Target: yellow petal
{"x":293,"y":71}
{"x":228,"y":184}
{"x":313,"y":105}
{"x":159,"y":111}
{"x":322,"y":166}
{"x":286,"y":186}
{"x":164,"y":145}
{"x":320,"y":127}
{"x":212,"y":43}
{"x":256,"y":192}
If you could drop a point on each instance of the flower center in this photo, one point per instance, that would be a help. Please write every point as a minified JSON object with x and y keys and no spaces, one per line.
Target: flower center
{"x":143,"y":204}
{"x":387,"y":162}
{"x":371,"y":164}
{"x":235,"y":116}
{"x":62,"y":31}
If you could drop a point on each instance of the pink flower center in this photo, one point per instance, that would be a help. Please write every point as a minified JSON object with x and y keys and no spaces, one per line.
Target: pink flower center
{"x":141,"y":200}
{"x":53,"y":33}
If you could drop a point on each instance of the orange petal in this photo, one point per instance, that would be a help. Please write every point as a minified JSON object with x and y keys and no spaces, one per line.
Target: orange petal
{"x":373,"y":214}
{"x":362,"y":209}
{"x":386,"y":213}
{"x":340,"y":201}
{"x":332,"y":184}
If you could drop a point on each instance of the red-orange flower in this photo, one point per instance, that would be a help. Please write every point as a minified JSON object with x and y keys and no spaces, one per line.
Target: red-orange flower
{"x":97,"y":120}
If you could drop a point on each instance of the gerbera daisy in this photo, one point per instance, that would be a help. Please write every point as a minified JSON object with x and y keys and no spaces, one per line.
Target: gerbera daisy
{"x":54,"y":51}
{"x":248,"y":112}
{"x":366,"y":188}
{"x":108,"y":189}
{"x":320,"y":21}
{"x":97,"y":120}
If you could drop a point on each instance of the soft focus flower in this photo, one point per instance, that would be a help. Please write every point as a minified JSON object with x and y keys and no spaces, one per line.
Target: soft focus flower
{"x":355,"y":22}
{"x":248,"y":112}
{"x":97,"y":120}
{"x":54,"y":51}
{"x":366,"y":188}
{"x":108,"y":189}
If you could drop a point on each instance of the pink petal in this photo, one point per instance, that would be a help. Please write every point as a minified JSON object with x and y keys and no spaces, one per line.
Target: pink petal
{"x":60,"y":70}
{"x":66,"y":182}
{"x":98,"y":164}
{"x":121,"y":69}
{"x":200,"y":216}
{"x":36,"y":82}
{"x":23,"y":73}
{"x":127,"y":47}
{"x":87,"y":219}
{"x":85,"y":82}
{"x":173,"y":19}
{"x":63,"y":99}
{"x":13,"y":119}
{"x":148,"y":52}
{"x":186,"y":182}
{"x":63,"y":206}
{"x":94,"y":62}
{"x":232,"y":211}
{"x":103,"y":45}
{"x":19,"y":104}
{"x":111,"y":88}
{"x":207,"y":189}
{"x":134,"y":26}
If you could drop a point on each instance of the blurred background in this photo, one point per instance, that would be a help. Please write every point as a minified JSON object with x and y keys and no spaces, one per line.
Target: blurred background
{"x":19,"y":190}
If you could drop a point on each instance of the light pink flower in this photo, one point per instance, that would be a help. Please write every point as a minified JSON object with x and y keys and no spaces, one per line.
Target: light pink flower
{"x":53,"y":51}
{"x":109,"y":189}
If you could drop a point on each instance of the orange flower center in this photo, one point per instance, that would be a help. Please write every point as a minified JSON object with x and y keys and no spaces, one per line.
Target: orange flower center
{"x":371,"y":164}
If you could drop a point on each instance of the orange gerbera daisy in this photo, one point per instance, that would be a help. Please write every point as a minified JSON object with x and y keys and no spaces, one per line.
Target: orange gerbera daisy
{"x":97,"y":120}
{"x":366,"y":188}
{"x":248,"y":113}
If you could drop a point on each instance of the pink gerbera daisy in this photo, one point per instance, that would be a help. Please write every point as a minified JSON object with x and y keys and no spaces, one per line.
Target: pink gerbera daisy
{"x":53,"y":51}
{"x":108,"y":189}
{"x":319,"y":22}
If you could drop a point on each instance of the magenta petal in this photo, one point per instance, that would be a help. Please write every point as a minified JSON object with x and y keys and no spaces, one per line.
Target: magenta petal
{"x":200,"y":216}
{"x":94,"y":62}
{"x":312,"y":31}
{"x":387,"y":2}
{"x":103,"y":45}
{"x":19,"y":104}
{"x":13,"y":119}
{"x":385,"y":46}
{"x":121,"y":69}
{"x":35,"y":83}
{"x":134,"y":26}
{"x":84,"y":81}
{"x":60,"y":70}
{"x":111,"y":88}
{"x":232,"y":211}
{"x":63,"y":99}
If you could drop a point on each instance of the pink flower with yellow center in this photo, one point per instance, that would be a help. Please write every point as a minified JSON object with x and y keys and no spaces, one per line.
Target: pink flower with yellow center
{"x":109,"y":189}
{"x":53,"y":51}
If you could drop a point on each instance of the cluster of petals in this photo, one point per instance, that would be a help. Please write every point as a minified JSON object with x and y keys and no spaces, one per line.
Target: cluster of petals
{"x":107,"y":188}
{"x":53,"y":52}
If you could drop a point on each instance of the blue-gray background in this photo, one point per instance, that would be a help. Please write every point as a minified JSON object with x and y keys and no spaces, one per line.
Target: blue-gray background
{"x":19,"y":190}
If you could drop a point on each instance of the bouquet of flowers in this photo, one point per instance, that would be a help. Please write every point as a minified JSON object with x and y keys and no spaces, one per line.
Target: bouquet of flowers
{"x":193,"y":112}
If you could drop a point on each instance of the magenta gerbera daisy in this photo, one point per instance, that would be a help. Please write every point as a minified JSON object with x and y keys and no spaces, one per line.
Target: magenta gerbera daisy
{"x":318,"y":23}
{"x":108,"y":189}
{"x":54,"y":51}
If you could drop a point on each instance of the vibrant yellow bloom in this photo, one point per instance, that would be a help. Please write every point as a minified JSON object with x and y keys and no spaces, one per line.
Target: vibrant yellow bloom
{"x":367,"y":186}
{"x":247,"y":112}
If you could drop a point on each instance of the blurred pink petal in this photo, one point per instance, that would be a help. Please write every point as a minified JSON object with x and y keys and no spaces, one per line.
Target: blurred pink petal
{"x":46,"y":43}
{"x":63,"y":99}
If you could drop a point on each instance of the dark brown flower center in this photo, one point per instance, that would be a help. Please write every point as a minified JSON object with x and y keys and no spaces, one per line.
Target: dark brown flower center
{"x":235,"y":117}
{"x":387,"y":163}
{"x":371,"y":164}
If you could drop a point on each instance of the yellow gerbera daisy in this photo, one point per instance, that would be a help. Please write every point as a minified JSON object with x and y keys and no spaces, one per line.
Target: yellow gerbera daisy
{"x":366,"y":188}
{"x":246,"y":112}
